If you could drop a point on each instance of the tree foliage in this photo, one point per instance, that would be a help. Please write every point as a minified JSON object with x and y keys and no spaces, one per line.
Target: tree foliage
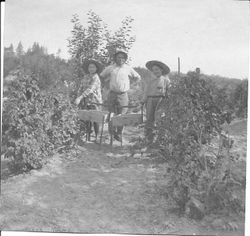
{"x":96,"y":41}
{"x":240,"y":98}
{"x":188,"y":121}
{"x":36,"y":123}
{"x":48,"y":69}
{"x":10,"y":60}
{"x":19,"y":50}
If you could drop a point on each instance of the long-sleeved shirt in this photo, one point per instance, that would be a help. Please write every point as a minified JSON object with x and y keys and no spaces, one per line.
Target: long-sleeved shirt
{"x":118,"y":77}
{"x":156,"y":86}
{"x":91,"y":88}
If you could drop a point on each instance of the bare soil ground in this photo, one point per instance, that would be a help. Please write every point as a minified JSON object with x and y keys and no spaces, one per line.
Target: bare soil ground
{"x":104,"y":190}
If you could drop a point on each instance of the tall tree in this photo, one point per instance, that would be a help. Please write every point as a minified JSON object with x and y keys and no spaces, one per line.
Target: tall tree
{"x":240,"y":98}
{"x":19,"y":50}
{"x":10,"y":60}
{"x":9,"y":51}
{"x":58,"y":53}
{"x":95,"y":40}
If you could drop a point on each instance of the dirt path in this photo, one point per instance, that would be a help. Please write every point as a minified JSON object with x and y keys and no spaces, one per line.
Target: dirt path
{"x":97,"y":191}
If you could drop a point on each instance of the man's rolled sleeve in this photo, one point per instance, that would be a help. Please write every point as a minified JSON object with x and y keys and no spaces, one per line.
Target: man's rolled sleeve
{"x":106,"y":72}
{"x":134,"y":74}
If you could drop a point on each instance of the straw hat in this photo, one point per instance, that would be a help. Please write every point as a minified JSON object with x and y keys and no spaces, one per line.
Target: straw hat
{"x":164,"y":67}
{"x":119,"y":50}
{"x":98,"y":65}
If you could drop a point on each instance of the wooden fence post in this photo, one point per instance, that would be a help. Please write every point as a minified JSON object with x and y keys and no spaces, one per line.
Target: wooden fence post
{"x":179,"y":66}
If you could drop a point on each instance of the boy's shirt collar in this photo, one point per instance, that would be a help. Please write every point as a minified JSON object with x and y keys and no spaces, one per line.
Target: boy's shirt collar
{"x":121,"y":66}
{"x":155,"y":77}
{"x":92,"y":75}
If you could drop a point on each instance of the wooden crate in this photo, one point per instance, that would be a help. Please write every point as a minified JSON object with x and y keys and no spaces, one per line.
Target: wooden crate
{"x":93,"y":115}
{"x":131,"y":119}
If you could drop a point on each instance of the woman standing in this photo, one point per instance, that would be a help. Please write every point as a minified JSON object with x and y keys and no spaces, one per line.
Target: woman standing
{"x":90,"y":90}
{"x":154,"y":92}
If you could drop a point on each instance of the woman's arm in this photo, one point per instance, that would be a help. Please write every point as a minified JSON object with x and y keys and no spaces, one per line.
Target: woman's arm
{"x":86,"y":88}
{"x":94,"y":84}
{"x":134,"y":74}
{"x":105,"y":73}
{"x":145,"y":91}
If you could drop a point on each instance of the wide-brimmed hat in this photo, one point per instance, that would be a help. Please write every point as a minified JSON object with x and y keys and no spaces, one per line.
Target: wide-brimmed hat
{"x":98,"y":65}
{"x":119,"y":50}
{"x":163,"y":66}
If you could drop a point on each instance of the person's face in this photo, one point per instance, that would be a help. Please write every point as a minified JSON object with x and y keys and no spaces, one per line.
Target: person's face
{"x":157,"y":71}
{"x":92,"y":68}
{"x":120,"y":59}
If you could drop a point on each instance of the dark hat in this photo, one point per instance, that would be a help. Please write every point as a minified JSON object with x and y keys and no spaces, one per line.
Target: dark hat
{"x":119,"y":50}
{"x":98,"y":65}
{"x":164,"y":67}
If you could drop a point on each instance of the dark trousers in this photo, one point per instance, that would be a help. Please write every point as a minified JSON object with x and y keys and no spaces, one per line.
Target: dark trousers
{"x":96,"y":125}
{"x":151,"y":108}
{"x":83,"y":106}
{"x":116,"y":101}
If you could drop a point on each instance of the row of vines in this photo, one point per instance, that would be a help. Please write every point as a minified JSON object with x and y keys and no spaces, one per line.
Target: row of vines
{"x":36,"y":123}
{"x":201,"y":170}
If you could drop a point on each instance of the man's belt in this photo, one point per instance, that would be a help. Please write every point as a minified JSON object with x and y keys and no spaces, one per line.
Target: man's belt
{"x":156,"y":96}
{"x":119,"y":93}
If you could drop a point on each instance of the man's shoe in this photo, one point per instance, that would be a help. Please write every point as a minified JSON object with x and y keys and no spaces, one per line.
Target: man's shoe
{"x":118,"y":137}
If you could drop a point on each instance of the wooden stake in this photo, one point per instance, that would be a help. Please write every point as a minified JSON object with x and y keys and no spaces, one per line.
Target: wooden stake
{"x":102,"y":130}
{"x":179,"y":66}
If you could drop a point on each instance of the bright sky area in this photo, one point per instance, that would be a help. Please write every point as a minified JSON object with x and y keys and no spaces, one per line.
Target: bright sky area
{"x":210,"y":34}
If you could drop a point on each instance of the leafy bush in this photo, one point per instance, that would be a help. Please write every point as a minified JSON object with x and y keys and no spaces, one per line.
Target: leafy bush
{"x":240,"y":98}
{"x":188,"y":121}
{"x":36,"y":123}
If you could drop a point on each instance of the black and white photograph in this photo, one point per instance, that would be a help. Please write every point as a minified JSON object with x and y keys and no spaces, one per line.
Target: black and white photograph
{"x":124,"y":116}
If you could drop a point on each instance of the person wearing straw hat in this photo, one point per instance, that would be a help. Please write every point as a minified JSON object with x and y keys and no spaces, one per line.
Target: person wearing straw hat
{"x":90,"y":89}
{"x":118,"y":75}
{"x":154,"y":92}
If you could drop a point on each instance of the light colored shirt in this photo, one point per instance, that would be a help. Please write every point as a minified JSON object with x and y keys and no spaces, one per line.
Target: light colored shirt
{"x":156,"y":86}
{"x":91,"y":88}
{"x":118,"y":77}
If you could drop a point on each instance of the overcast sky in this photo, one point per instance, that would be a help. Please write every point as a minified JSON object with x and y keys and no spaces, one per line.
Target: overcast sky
{"x":210,"y":34}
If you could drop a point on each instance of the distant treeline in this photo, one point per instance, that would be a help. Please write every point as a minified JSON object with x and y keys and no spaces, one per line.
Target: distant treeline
{"x":52,"y":71}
